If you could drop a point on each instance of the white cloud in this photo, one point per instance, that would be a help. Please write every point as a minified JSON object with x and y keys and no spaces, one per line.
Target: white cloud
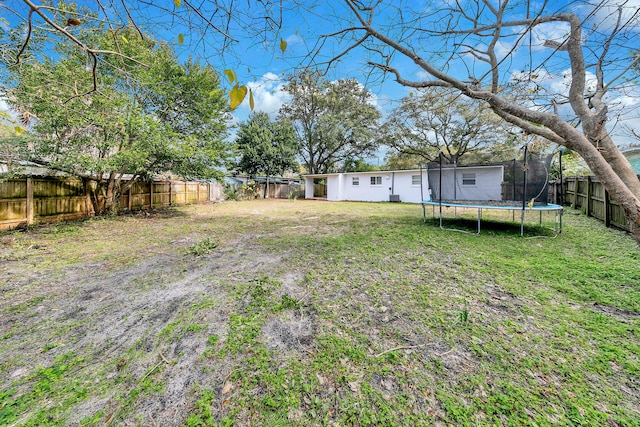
{"x":605,"y":15}
{"x":268,"y":95}
{"x":4,"y":107}
{"x":551,"y":31}
{"x":293,"y":40}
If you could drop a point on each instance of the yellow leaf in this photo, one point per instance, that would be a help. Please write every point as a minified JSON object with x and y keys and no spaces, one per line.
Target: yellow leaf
{"x":19,"y":130}
{"x":283,"y":45}
{"x":236,"y":96}
{"x":124,"y":39}
{"x":251,"y":102}
{"x":410,"y":94}
{"x":5,"y":115}
{"x":178,"y":3}
{"x":231,"y":75}
{"x":180,"y":39}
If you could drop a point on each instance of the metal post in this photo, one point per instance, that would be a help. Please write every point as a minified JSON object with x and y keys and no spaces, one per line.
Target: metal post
{"x":424,"y":212}
{"x":524,"y":190}
{"x":440,"y":187}
{"x":513,"y":194}
{"x":561,"y":199}
{"x":455,"y":181}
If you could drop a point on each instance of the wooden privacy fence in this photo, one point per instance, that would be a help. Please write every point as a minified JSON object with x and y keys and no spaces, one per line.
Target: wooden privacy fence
{"x":276,"y":191}
{"x":35,"y":200}
{"x":589,"y":195}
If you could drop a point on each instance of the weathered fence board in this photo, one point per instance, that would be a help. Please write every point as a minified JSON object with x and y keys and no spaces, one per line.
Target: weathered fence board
{"x":589,"y":195}
{"x":49,"y":199}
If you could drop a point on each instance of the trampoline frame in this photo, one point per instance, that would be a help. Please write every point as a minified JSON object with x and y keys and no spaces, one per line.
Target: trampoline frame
{"x":479,"y":205}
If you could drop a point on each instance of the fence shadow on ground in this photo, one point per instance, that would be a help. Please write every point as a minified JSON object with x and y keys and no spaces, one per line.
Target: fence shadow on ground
{"x":68,"y":226}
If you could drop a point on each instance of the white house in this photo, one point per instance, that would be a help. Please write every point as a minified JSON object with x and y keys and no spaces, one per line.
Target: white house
{"x":379,"y":186}
{"x":467,"y":182}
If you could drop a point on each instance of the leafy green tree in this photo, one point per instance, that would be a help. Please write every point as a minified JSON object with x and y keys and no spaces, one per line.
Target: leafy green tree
{"x":439,"y":121}
{"x":397,"y":160}
{"x":266,"y":147}
{"x":140,"y":113}
{"x":358,"y":164}
{"x":334,"y":121}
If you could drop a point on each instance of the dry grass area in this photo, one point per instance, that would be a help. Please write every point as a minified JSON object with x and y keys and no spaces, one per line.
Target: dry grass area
{"x":282,"y":312}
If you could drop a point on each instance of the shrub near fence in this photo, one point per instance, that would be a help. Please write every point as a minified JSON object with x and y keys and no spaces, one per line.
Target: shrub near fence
{"x":35,"y":200}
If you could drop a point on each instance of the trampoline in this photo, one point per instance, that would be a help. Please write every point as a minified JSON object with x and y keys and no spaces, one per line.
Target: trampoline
{"x":531,"y":195}
{"x":480,"y":206}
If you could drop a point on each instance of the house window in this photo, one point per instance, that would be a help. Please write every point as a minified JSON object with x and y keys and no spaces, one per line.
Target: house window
{"x":376,"y":180}
{"x":355,"y":181}
{"x":415,"y":179}
{"x":468,"y":179}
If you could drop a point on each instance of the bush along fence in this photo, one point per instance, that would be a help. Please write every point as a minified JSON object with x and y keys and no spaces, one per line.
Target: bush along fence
{"x":34,"y":200}
{"x":589,"y":195}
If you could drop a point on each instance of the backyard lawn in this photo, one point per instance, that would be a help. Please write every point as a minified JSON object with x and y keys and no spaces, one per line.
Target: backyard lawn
{"x":307,"y":313}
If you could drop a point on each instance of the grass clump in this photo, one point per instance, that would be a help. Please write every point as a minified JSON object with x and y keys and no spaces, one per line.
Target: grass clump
{"x":203,"y":247}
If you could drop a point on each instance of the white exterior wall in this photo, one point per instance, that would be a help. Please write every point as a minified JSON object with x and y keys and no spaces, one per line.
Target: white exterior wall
{"x":334,"y":188}
{"x":308,"y":188}
{"x":488,"y":183}
{"x":340,"y":186}
{"x":408,"y":192}
{"x":364,"y":191}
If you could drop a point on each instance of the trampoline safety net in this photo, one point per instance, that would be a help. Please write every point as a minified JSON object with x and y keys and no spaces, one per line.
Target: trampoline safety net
{"x":537,"y":179}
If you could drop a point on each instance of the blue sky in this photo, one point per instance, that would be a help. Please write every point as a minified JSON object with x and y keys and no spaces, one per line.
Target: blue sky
{"x":261,"y":65}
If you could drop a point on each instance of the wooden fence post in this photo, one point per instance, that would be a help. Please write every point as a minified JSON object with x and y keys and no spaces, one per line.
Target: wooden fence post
{"x":30,"y":207}
{"x":87,"y":197}
{"x":151,"y":195}
{"x":170,"y":193}
{"x":588,"y":197}
{"x":130,"y":201}
{"x":607,"y":209}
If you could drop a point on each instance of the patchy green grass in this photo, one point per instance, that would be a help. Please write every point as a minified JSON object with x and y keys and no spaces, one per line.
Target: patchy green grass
{"x":315,"y":313}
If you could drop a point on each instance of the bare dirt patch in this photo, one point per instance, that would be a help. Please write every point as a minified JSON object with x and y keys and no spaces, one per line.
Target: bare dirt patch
{"x":147,"y":318}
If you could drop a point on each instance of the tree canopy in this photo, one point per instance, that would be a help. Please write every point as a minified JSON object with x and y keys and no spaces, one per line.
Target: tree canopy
{"x":127,"y":118}
{"x":436,"y":120}
{"x":266,"y":147}
{"x":334,"y":121}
